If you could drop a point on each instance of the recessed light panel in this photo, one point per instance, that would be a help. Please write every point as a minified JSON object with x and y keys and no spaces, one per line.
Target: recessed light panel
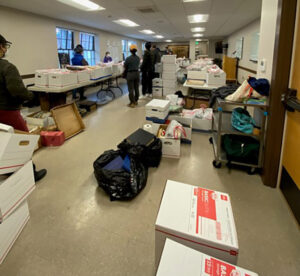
{"x":85,"y":5}
{"x":197,"y":35}
{"x":187,"y":1}
{"x":126,"y":22}
{"x":147,"y":32}
{"x":198,"y":18}
{"x":198,"y":29}
{"x":168,"y":40}
{"x":159,"y":36}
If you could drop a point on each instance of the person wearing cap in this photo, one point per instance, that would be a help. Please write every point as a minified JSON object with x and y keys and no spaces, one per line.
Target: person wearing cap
{"x":147,"y":69}
{"x":13,"y":94}
{"x":79,"y":60}
{"x":107,"y":58}
{"x":132,"y":64}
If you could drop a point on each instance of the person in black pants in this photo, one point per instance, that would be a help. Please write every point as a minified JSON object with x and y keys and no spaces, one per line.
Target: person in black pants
{"x":132,"y":75}
{"x":147,"y":69}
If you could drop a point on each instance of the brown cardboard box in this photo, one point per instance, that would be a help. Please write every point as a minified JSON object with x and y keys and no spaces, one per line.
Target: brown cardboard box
{"x":193,"y":103}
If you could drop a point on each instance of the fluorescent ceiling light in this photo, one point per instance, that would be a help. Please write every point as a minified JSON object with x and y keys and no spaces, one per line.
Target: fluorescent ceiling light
{"x":186,"y":1}
{"x":198,"y":39}
{"x":198,"y":18}
{"x":159,"y":36}
{"x":169,"y":40}
{"x":126,"y":22}
{"x":147,"y":32}
{"x":85,"y":5}
{"x":197,"y":35}
{"x":198,"y":29}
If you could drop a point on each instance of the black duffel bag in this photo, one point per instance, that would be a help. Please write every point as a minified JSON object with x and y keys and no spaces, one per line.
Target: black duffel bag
{"x":120,"y":184}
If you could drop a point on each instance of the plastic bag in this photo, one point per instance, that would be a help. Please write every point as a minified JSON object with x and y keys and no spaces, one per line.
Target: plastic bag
{"x":149,"y":155}
{"x":242,"y":121}
{"x":120,"y":184}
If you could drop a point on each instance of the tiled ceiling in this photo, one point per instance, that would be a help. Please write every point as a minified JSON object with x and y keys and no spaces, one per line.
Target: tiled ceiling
{"x":168,"y":19}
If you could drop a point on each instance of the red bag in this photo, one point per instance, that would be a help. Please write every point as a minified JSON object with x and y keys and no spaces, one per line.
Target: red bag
{"x":52,"y":138}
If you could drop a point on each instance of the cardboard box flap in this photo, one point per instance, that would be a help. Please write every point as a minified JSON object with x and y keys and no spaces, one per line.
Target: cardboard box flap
{"x":68,"y":119}
{"x":198,"y":214}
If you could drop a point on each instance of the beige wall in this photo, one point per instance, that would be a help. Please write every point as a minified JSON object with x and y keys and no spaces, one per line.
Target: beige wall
{"x":247,"y":33}
{"x":34,"y":39}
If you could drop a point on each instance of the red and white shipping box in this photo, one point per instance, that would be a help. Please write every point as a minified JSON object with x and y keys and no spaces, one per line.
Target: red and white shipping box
{"x":198,"y":218}
{"x":83,"y":76}
{"x":178,"y":260}
{"x":11,"y":228}
{"x":15,"y":189}
{"x":16,"y":150}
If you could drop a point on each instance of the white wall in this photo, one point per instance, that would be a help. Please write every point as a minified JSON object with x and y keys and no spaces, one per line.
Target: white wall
{"x":34,"y":39}
{"x":211,"y":48}
{"x":247,"y":33}
{"x":267,"y":36}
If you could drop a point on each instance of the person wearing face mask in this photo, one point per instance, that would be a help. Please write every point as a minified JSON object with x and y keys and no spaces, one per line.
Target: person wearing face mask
{"x":107,"y":58}
{"x":13,"y":94}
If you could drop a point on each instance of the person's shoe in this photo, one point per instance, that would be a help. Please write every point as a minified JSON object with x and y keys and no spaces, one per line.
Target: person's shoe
{"x":38,"y":175}
{"x":142,"y":97}
{"x":132,"y":105}
{"x":149,"y":95}
{"x":136,"y":103}
{"x":83,"y":98}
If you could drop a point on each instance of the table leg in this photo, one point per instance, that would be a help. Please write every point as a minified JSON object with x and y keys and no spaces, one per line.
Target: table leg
{"x":50,"y":100}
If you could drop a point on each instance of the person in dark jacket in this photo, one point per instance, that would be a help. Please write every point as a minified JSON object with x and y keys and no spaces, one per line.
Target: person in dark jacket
{"x":156,"y":59}
{"x":79,"y":60}
{"x":132,"y":64}
{"x":147,"y":69}
{"x":13,"y":94}
{"x":107,"y":58}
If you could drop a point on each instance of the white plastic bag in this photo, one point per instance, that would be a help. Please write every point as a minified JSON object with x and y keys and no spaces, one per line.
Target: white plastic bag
{"x":245,"y":91}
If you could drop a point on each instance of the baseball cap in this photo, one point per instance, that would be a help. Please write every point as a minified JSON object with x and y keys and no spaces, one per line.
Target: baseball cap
{"x":3,"y":40}
{"x":133,"y":46}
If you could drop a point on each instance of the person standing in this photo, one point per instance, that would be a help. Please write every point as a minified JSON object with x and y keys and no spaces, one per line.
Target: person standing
{"x":147,"y":69}
{"x":79,"y":60}
{"x":156,"y":59}
{"x":132,"y":64}
{"x":107,"y":58}
{"x":13,"y":94}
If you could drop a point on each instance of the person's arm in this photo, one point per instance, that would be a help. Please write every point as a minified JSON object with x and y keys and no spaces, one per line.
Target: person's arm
{"x":145,"y":63}
{"x":84,"y":62}
{"x":15,"y":85}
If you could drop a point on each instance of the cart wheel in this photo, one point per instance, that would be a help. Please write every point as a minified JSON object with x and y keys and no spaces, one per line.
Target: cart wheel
{"x":251,"y":171}
{"x":210,"y":140}
{"x":217,"y":164}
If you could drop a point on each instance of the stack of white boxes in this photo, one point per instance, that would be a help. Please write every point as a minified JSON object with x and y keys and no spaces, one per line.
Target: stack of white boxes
{"x":169,"y":74}
{"x":157,"y":111}
{"x":195,"y":233}
{"x":15,"y":157}
{"x":157,"y":87}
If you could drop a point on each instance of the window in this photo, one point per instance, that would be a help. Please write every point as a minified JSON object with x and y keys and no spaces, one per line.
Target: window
{"x":88,"y":43}
{"x":126,"y":47}
{"x":65,"y":41}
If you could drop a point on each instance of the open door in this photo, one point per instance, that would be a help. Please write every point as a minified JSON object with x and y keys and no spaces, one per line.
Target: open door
{"x":290,"y":177}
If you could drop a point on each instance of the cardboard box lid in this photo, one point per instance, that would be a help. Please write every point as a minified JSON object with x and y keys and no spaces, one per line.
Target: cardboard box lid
{"x":178,"y":260}
{"x":198,"y":215}
{"x":68,"y":119}
{"x":159,"y":105}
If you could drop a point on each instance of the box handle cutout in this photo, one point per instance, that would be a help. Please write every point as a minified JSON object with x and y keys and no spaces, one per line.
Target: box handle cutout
{"x":24,"y":143}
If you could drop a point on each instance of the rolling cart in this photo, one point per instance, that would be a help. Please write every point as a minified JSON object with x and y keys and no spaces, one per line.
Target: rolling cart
{"x":221,"y":124}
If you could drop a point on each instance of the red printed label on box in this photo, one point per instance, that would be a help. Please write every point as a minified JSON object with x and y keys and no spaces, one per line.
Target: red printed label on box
{"x":206,"y":205}
{"x":215,"y":267}
{"x":224,"y":197}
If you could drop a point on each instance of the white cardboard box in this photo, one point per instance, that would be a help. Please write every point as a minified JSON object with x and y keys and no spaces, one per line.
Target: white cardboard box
{"x":197,"y":75}
{"x":117,"y":69}
{"x":157,"y":82}
{"x":11,"y":228}
{"x":169,"y":76}
{"x":83,"y":76}
{"x":216,"y":79}
{"x":6,"y":128}
{"x":179,"y":260}
{"x":199,"y":218}
{"x":16,"y":150}
{"x":15,"y":189}
{"x":158,"y":105}
{"x":170,"y":146}
{"x":43,"y":122}
{"x":172,"y":84}
{"x":62,"y":78}
{"x":170,"y":68}
{"x":157,"y":114}
{"x":202,"y":124}
{"x":157,"y":91}
{"x":158,"y":68}
{"x":170,"y":59}
{"x":41,"y":78}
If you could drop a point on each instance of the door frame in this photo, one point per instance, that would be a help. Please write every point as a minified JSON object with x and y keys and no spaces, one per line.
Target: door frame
{"x":282,"y":61}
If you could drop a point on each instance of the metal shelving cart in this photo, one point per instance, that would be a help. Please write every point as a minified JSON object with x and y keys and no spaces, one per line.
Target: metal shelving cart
{"x":221,"y":124}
